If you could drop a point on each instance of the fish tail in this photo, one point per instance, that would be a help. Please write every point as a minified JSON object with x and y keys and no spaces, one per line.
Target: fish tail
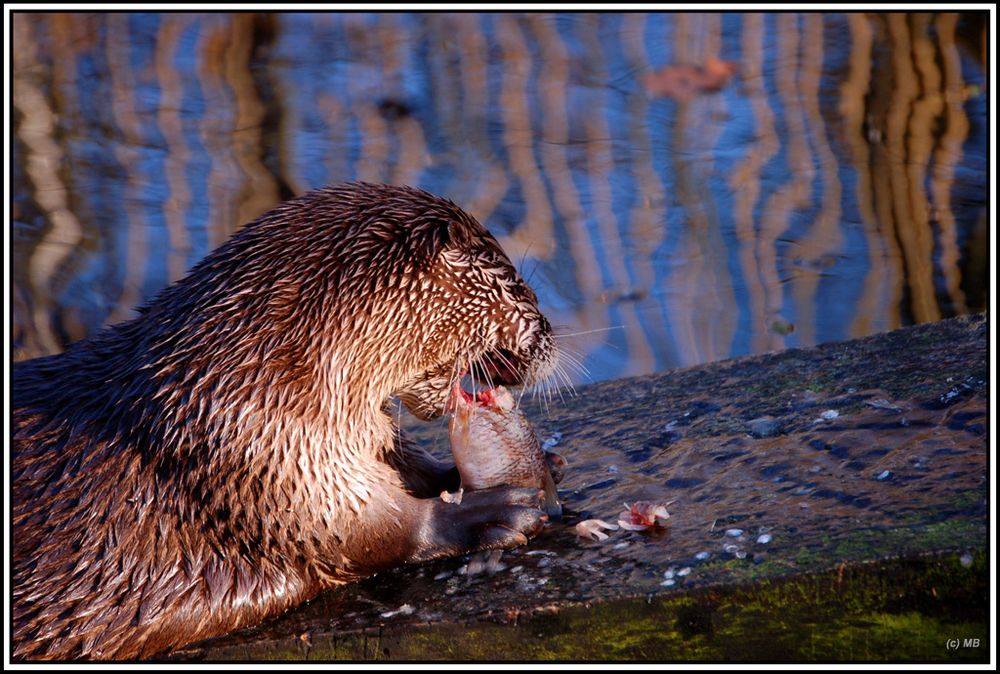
{"x":551,"y":504}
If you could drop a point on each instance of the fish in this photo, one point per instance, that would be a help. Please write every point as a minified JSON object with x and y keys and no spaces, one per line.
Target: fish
{"x":643,"y":515}
{"x":593,"y":529}
{"x":494,"y":445}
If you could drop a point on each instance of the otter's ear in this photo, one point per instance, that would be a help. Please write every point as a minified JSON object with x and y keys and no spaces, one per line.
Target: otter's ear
{"x":459,"y":234}
{"x":444,"y":234}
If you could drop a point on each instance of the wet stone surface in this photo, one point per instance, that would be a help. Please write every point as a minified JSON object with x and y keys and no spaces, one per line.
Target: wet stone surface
{"x":795,"y":463}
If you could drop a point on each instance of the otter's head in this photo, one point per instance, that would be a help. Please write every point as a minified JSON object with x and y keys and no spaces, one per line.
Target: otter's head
{"x":469,"y":310}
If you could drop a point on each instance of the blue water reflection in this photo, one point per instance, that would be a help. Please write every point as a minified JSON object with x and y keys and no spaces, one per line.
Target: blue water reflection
{"x":679,"y":187}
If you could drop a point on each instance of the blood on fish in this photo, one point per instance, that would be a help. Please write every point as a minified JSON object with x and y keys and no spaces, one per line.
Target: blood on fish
{"x":643,"y":515}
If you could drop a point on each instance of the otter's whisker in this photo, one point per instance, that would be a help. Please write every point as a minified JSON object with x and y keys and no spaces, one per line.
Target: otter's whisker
{"x":560,"y":372}
{"x":587,"y":332}
{"x":572,"y":361}
{"x":573,"y":358}
{"x":457,"y":372}
{"x":563,"y":347}
{"x":505,"y":361}
{"x":524,"y":389}
{"x":531,"y":275}
{"x":485,"y":382}
{"x":524,"y":256}
{"x":543,"y":399}
{"x":520,"y":394}
{"x":478,"y":375}
{"x":399,"y":422}
{"x":454,"y":375}
{"x":542,"y":392}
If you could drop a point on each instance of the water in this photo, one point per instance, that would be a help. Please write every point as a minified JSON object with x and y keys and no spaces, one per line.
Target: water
{"x":833,"y":186}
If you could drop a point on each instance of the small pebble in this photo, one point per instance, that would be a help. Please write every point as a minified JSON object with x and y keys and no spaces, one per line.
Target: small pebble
{"x":703,"y":555}
{"x":734,"y":533}
{"x":620,"y":546}
{"x":685,"y":571}
{"x":883,"y":404}
{"x":764,"y":539}
{"x":966,"y":560}
{"x":735,"y":551}
{"x":830,"y":414}
{"x":669,"y":573}
{"x":669,"y":582}
{"x":552,"y":441}
{"x":405,"y":609}
{"x":443,"y":575}
{"x":884,"y":475}
{"x":947,"y":397}
{"x":765,"y":427}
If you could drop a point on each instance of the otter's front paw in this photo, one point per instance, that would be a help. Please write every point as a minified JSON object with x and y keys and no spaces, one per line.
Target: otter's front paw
{"x":487,"y":519}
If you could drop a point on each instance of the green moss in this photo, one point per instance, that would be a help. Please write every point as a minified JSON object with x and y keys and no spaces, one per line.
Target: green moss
{"x":894,"y":611}
{"x":969,"y":500}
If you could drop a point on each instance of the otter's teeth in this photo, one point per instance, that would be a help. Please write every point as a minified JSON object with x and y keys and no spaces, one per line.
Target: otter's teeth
{"x":458,"y":392}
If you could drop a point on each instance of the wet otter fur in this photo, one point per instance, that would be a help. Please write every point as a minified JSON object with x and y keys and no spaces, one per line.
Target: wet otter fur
{"x":228,"y":454}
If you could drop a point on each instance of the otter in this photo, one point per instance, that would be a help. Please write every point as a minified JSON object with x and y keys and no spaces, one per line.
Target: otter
{"x":229,"y":452}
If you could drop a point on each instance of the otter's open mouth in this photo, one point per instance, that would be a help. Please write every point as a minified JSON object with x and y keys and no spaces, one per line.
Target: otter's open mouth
{"x":483,"y":397}
{"x":493,"y":369}
{"x":497,"y":365}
